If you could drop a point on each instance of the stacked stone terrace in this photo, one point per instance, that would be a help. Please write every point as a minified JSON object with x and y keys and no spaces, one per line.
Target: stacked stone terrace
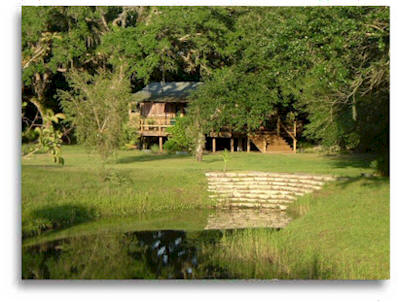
{"x":262,"y":189}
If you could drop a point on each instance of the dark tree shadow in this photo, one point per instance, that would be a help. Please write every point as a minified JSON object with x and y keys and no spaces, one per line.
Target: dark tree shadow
{"x":315,"y":269}
{"x":150,"y":157}
{"x":354,"y":161}
{"x":371,"y":181}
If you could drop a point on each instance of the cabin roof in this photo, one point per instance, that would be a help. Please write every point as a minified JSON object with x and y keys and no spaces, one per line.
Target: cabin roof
{"x":166,"y":92}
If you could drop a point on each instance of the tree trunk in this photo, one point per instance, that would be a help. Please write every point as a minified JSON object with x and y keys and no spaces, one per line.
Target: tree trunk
{"x":354,"y":108}
{"x":199,"y":146}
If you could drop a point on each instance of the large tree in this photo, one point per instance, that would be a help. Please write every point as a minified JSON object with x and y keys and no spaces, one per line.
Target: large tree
{"x":54,"y":40}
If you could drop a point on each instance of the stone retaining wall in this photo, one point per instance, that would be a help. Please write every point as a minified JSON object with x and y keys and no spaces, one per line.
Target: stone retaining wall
{"x":262,"y":189}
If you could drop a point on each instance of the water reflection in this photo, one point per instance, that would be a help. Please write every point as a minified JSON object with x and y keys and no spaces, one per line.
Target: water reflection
{"x":160,"y":254}
{"x":247,"y":218}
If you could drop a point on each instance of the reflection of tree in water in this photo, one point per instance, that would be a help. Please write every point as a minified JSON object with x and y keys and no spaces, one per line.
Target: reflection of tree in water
{"x":134,"y":255}
{"x":166,"y":253}
{"x":175,"y":254}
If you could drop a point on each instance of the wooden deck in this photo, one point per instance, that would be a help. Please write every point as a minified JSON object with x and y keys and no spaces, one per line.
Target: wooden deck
{"x":154,"y":130}
{"x":155,"y":126}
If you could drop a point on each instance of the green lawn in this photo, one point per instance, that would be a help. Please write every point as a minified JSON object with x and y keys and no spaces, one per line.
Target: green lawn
{"x":341,"y":232}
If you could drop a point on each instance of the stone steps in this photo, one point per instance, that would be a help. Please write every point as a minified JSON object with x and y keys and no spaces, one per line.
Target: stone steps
{"x":265,"y":185}
{"x":256,"y":200}
{"x":262,"y":189}
{"x":270,"y":180}
{"x":272,"y":174}
{"x":259,"y":195}
{"x":255,"y":205}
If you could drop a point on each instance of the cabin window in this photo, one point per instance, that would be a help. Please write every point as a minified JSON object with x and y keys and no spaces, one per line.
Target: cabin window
{"x":153,"y":109}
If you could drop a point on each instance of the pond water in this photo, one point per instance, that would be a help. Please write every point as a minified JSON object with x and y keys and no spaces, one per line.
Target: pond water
{"x":140,"y":248}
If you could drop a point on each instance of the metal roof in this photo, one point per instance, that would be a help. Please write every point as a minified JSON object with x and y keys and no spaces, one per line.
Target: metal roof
{"x":166,"y":92}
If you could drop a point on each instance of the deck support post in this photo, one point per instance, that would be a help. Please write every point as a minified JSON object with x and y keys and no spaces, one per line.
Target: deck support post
{"x":160,"y":143}
{"x":214,"y":145}
{"x":144,"y":143}
{"x":232,"y":144}
{"x":278,"y":125}
{"x":240,"y":144}
{"x":264,"y":145}
{"x":294,"y":139}
{"x":248,"y":143}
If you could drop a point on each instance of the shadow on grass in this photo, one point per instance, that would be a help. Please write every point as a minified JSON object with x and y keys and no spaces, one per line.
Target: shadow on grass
{"x":55,"y":166}
{"x":354,"y":161}
{"x":208,"y":160}
{"x":373,"y":181}
{"x":314,"y":269}
{"x":150,"y":157}
{"x":59,"y":217}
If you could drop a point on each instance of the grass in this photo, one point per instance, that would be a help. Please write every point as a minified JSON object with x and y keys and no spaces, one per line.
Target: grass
{"x":341,"y":232}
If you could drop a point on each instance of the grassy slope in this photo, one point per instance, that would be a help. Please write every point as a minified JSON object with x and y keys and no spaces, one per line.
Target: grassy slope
{"x":345,"y":233}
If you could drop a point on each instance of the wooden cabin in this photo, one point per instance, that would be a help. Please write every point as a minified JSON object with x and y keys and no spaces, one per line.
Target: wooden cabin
{"x":158,"y":104}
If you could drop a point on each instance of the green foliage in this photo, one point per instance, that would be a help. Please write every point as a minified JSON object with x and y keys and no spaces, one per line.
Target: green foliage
{"x":130,"y":134}
{"x":381,"y":165}
{"x":167,"y":40}
{"x":97,"y":107}
{"x":49,"y":140}
{"x":48,"y":136}
{"x":114,"y":177}
{"x":346,"y":90}
{"x":234,"y":100}
{"x":29,"y":135}
{"x":178,"y":138}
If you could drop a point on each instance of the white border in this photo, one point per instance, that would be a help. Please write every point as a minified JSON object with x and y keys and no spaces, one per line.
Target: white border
{"x":13,"y":289}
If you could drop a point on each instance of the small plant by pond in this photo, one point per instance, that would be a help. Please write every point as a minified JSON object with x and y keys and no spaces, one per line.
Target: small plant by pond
{"x":226,"y":157}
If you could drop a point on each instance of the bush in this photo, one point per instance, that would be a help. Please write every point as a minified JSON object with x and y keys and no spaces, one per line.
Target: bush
{"x":171,"y":146}
{"x":178,"y":139}
{"x":130,"y":135}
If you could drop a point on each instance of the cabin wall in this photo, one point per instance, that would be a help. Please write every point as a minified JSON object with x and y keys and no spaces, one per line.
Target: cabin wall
{"x":154,"y":110}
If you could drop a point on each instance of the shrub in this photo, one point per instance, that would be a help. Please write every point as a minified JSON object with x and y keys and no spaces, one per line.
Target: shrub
{"x":130,"y":135}
{"x":178,"y":139}
{"x":226,"y":157}
{"x":171,"y":146}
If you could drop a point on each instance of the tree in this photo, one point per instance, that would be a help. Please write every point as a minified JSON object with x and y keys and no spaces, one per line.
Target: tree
{"x":168,"y":42}
{"x":347,"y":90}
{"x":54,"y":39}
{"x":97,"y":105}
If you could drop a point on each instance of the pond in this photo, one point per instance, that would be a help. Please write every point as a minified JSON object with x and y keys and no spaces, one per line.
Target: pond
{"x":174,"y":245}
